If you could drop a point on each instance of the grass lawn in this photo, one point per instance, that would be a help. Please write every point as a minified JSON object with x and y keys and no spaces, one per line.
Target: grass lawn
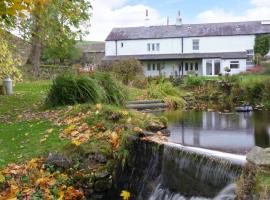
{"x":20,"y":140}
{"x":27,"y":95}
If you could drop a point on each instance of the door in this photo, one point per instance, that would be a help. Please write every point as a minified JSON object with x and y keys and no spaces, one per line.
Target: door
{"x":217,"y":67}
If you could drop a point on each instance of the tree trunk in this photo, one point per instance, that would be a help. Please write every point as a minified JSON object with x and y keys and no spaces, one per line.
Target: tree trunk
{"x":35,"y":54}
{"x":36,"y":44}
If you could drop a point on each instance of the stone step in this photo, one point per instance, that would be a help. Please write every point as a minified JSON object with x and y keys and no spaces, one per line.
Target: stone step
{"x":147,"y":106}
{"x":144,"y":102}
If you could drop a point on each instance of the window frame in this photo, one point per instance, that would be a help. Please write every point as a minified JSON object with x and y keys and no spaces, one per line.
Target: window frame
{"x":157,"y":46}
{"x":149,"y":66}
{"x":196,"y":66}
{"x":148,"y":47}
{"x":234,"y":62}
{"x":153,"y":47}
{"x":196,"y":47}
{"x":158,"y":66}
{"x":154,"y":66}
{"x":186,"y":67}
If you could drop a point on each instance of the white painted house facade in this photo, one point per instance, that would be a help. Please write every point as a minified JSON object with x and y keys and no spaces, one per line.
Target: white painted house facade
{"x":202,"y":49}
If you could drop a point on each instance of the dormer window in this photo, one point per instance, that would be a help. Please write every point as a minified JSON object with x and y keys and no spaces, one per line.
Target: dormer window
{"x":196,"y":44}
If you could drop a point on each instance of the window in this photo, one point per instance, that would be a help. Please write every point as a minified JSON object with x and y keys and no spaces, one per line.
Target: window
{"x":196,"y":66}
{"x":191,"y":66}
{"x":148,"y":47}
{"x":217,"y":65}
{"x":234,"y":64}
{"x":157,"y":46}
{"x":158,"y":66}
{"x":186,"y":66}
{"x":196,"y":44}
{"x":250,"y":57}
{"x":153,"y":47}
{"x":209,"y":64}
{"x":154,"y":67}
{"x":149,"y":67}
{"x":122,"y":44}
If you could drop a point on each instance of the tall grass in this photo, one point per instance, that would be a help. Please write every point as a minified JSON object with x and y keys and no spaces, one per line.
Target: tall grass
{"x":100,"y":87}
{"x":68,"y":89}
{"x":164,"y":90}
{"x":113,"y":91}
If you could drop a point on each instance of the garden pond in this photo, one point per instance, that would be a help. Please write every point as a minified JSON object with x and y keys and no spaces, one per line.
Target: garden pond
{"x":233,"y":133}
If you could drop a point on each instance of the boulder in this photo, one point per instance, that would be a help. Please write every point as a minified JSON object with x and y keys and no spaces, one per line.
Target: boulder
{"x":155,"y":127}
{"x":259,"y":156}
{"x":59,"y":161}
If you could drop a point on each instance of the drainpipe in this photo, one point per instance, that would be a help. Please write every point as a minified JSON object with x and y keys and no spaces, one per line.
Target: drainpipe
{"x":116,"y":52}
{"x":182,"y":63}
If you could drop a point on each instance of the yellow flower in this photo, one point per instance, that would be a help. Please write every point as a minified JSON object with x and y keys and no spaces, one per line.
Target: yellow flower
{"x":99,"y":106}
{"x":125,"y":194}
{"x":2,"y":178}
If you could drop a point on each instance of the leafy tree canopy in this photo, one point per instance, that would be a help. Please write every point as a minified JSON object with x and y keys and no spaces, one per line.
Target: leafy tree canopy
{"x":7,"y":63}
{"x":262,"y":44}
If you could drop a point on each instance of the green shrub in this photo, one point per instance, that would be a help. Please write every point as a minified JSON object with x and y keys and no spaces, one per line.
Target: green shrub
{"x":69,"y":89}
{"x":127,"y":70}
{"x":113,"y":92}
{"x":193,"y":81}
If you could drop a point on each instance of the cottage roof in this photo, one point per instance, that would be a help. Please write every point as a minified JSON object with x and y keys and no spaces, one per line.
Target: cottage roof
{"x":190,"y":30}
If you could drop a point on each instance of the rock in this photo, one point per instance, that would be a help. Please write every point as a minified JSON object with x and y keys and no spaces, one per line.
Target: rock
{"x":103,"y":185}
{"x":155,"y":127}
{"x":165,"y":132}
{"x":259,"y":156}
{"x":58,"y":160}
{"x":145,"y":134}
{"x":102,"y":174}
{"x":115,"y":117}
{"x":101,"y":158}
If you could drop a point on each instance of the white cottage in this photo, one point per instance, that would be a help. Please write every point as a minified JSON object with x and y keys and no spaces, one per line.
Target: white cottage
{"x":175,"y":50}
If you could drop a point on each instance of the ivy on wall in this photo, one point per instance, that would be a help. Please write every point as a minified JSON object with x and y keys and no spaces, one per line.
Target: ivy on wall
{"x":262,"y":44}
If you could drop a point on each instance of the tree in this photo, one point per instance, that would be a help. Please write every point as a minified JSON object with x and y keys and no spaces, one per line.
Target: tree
{"x":127,"y":70}
{"x":7,"y":63}
{"x":56,"y":24}
{"x":262,"y":44}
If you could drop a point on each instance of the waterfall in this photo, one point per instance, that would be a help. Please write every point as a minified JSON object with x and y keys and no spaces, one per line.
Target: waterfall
{"x":167,"y":172}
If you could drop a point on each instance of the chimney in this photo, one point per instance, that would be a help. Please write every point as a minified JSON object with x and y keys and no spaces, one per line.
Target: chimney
{"x":147,"y":18}
{"x":178,"y":19}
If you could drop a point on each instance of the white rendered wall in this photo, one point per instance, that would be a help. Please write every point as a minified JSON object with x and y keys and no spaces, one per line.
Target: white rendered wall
{"x":242,"y":65}
{"x":110,"y":49}
{"x":139,"y":47}
{"x":220,"y":44}
{"x":226,"y":63}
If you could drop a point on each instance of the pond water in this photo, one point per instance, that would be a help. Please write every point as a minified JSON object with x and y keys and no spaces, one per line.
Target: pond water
{"x":233,"y":133}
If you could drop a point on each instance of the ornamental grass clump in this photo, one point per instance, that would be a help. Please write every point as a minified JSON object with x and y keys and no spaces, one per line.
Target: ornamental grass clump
{"x":113,"y":91}
{"x":69,"y":89}
{"x":164,"y":90}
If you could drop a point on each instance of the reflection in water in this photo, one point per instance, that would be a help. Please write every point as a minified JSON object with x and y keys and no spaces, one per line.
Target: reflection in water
{"x":236,"y":133}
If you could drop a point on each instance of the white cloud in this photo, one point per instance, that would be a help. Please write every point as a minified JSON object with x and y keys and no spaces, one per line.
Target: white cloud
{"x":260,"y":11}
{"x":116,"y":13}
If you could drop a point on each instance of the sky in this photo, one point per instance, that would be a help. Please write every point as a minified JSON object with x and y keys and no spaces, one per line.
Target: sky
{"x":108,"y":14}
